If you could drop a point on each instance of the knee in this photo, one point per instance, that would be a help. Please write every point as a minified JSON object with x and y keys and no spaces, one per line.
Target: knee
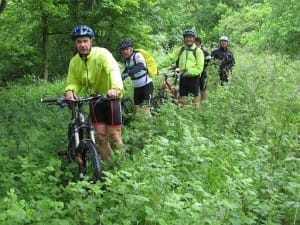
{"x":102,"y":138}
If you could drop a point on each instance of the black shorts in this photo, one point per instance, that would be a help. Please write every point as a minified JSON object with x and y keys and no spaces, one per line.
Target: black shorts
{"x":143,"y":94}
{"x":189,"y":85}
{"x":203,"y":81}
{"x":106,"y":112}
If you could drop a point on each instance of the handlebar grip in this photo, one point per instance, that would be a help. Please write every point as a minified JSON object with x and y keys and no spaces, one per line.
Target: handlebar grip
{"x":48,"y":100}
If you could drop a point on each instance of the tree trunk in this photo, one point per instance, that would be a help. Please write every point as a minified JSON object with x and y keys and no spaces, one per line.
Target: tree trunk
{"x":45,"y":45}
{"x":2,"y":5}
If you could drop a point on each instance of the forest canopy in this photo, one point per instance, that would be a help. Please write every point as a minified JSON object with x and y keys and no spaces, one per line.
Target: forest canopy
{"x":37,"y":32}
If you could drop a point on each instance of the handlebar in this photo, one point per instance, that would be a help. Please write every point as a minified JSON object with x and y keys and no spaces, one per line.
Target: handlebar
{"x":62,"y":101}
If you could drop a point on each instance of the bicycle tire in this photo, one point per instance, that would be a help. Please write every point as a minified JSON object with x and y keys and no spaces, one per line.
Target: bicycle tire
{"x":91,"y":159}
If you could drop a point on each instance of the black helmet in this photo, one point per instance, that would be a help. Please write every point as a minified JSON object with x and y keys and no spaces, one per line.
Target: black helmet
{"x":82,"y":31}
{"x":188,"y":32}
{"x":125,"y":43}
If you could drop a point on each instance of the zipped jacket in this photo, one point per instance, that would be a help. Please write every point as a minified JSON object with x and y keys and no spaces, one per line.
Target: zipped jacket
{"x":96,"y":73}
{"x":187,"y":62}
{"x":224,"y":55}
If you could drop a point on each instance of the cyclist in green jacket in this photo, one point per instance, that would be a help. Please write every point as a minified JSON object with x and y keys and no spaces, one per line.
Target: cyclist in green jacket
{"x":95,"y":70}
{"x":190,"y":61}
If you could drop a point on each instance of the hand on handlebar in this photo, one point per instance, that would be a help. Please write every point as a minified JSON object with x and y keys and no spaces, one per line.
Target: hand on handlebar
{"x":70,"y":95}
{"x":113,"y":93}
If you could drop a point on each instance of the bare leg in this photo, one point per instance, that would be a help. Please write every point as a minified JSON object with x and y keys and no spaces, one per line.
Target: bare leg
{"x":104,"y":146}
{"x":203,"y":95}
{"x":196,"y":101}
{"x":115,"y":137}
{"x":183,"y":100}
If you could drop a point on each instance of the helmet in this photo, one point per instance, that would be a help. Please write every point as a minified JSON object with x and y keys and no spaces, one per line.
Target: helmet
{"x":223,"y":38}
{"x":82,"y":31}
{"x":188,"y":32}
{"x":125,"y":43}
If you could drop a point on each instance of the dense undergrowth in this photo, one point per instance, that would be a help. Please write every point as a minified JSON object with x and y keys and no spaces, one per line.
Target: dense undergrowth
{"x":233,"y":161}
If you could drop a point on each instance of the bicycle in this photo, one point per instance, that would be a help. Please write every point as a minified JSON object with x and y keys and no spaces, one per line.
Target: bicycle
{"x":81,"y":139}
{"x":167,"y":90}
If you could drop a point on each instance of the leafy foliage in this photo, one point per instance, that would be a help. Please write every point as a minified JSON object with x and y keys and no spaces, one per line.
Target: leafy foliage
{"x":233,"y":161}
{"x":37,"y":32}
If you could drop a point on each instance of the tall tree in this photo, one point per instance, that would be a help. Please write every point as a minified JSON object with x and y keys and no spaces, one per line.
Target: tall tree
{"x":2,"y":5}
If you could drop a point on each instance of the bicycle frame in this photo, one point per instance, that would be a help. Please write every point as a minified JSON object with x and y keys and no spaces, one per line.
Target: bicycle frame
{"x":81,"y":138}
{"x":78,"y":126}
{"x":172,"y":88}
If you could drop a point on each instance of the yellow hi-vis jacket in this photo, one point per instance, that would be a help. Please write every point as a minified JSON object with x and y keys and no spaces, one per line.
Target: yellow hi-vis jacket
{"x":187,"y":61}
{"x":97,"y":73}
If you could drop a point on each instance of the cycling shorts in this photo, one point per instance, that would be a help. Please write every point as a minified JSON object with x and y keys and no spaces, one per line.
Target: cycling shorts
{"x":106,"y":112}
{"x":143,"y":94}
{"x":189,"y":85}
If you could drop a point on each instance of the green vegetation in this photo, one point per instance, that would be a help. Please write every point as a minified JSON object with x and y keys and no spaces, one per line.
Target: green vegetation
{"x":233,"y":161}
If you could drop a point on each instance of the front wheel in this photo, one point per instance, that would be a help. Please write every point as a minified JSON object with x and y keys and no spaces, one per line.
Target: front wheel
{"x":90,"y":167}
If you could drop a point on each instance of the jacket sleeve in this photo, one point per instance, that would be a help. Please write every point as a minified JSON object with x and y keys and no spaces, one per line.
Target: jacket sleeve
{"x":73,"y":80}
{"x":113,"y":70}
{"x":232,"y":61}
{"x":140,"y":64}
{"x":170,"y":58}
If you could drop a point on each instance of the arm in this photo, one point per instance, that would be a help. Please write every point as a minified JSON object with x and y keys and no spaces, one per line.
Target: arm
{"x":137,"y":68}
{"x":112,"y":69}
{"x":170,"y":58}
{"x":73,"y":80}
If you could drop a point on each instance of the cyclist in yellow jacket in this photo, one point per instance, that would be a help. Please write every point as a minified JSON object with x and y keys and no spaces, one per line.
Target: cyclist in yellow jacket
{"x":95,"y":70}
{"x":190,"y":61}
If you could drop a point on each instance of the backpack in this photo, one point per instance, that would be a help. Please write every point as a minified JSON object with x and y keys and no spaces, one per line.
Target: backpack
{"x":180,"y":52}
{"x":150,"y":61}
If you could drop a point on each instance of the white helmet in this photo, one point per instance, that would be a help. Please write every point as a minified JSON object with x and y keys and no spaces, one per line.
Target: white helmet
{"x":223,"y":38}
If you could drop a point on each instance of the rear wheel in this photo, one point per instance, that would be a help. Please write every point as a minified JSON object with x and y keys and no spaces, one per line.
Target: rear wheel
{"x":90,"y":167}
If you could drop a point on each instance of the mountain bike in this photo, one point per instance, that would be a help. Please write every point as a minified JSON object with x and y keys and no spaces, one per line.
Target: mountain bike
{"x":81,"y":139}
{"x":167,"y":90}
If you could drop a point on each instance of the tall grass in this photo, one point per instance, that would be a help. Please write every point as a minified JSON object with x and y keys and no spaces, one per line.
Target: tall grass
{"x":235,"y":160}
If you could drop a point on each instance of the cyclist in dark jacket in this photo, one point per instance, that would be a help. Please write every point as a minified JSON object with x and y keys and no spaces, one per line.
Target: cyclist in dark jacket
{"x":225,"y":57}
{"x":203,"y":77}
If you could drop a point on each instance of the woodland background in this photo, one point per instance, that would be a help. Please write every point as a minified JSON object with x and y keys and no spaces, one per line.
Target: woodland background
{"x":35,"y":34}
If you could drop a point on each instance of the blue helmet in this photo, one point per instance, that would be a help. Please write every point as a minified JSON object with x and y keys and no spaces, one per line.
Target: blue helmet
{"x":82,"y":31}
{"x":189,"y":32}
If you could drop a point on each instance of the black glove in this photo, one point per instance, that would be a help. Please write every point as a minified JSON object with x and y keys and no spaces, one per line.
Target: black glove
{"x":124,"y":76}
